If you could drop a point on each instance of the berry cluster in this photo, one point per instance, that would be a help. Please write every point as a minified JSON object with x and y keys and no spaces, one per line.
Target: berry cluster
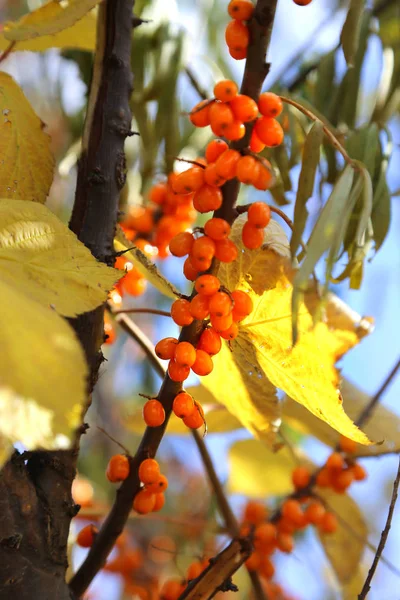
{"x":173,"y":588}
{"x":237,"y":34}
{"x":340,"y":470}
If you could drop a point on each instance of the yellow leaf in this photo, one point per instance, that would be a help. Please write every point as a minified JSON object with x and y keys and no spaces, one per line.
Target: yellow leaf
{"x":26,"y":161}
{"x":383,"y":426}
{"x":345,"y":547}
{"x":42,"y":373}
{"x":42,"y":258}
{"x":144,"y":265}
{"x":48,"y":19}
{"x":257,"y":472}
{"x":81,"y":35}
{"x":263,"y":351}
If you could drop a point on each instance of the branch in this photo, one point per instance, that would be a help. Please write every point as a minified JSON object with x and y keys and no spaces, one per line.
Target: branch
{"x":385,"y":533}
{"x":368,"y":410}
{"x":145,"y":311}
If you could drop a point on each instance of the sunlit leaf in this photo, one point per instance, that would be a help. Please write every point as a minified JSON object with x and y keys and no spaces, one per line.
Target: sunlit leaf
{"x":381,"y":208}
{"x":26,"y":161}
{"x":42,"y":258}
{"x":349,"y":37}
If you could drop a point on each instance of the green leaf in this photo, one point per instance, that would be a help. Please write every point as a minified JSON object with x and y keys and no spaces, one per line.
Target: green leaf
{"x":311,"y":154}
{"x":350,"y":35}
{"x":381,"y":204}
{"x":282,"y":161}
{"x":324,"y":86}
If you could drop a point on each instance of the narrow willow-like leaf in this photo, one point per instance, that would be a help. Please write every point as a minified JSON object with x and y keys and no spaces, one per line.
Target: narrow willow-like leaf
{"x":350,"y":35}
{"x":282,"y":160}
{"x":324,"y":86}
{"x":321,"y":239}
{"x":311,"y":153}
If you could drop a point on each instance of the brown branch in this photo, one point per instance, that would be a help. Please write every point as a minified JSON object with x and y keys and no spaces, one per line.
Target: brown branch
{"x":385,"y":533}
{"x":145,"y":311}
{"x":7,"y":51}
{"x":368,"y":410}
{"x":195,"y":84}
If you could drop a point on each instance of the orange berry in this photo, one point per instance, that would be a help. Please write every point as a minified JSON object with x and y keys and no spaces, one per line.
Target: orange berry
{"x":221,"y":324}
{"x":256,"y":145}
{"x":149,"y":471}
{"x":247,"y":169}
{"x":225,"y":90}
{"x":120,"y":263}
{"x":177,"y":372}
{"x":237,"y":35}
{"x":359,"y":472}
{"x":194,"y":570}
{"x":85,"y":537}
{"x":270,"y":105}
{"x":207,"y":285}
{"x":189,"y":271}
{"x":342,"y":480}
{"x":269,"y":131}
{"x":134,"y":285}
{"x":153,"y":413}
{"x":285,"y":542}
{"x":253,"y":562}
{"x":183,"y":405}
{"x":255,"y":512}
{"x":117,"y":468}
{"x":335,"y":462}
{"x":158,"y":486}
{"x":140,"y":218}
{"x":109,"y":331}
{"x":180,"y":312}
{"x":329,"y":523}
{"x":267,"y":570}
{"x":203,"y":364}
{"x":185,"y":354}
{"x":242,"y":302}
{"x":231,"y":333}
{"x":238,"y":53}
{"x":252,"y":237}
{"x":264,"y":535}
{"x":211,"y":176}
{"x":189,"y":181}
{"x":244,"y":108}
{"x":292,"y":511}
{"x":195,"y":420}
{"x":144,"y":502}
{"x":171,"y":589}
{"x":165,"y":348}
{"x":220,"y":117}
{"x":214,"y":149}
{"x":159,"y":503}
{"x":200,"y":114}
{"x":242,"y":10}
{"x":347,"y":445}
{"x":285,"y":526}
{"x":210,"y":341}
{"x":324,"y":478}
{"x":207,"y":198}
{"x":301,"y":477}
{"x":259,"y":215}
{"x":226,"y":164}
{"x":181,"y":244}
{"x":235,"y":131}
{"x":314,"y":512}
{"x":265,"y":176}
{"x":158,"y":192}
{"x":302,"y":2}
{"x":203,"y":249}
{"x":220,"y":304}
{"x":217,"y":229}
{"x":226,"y":251}
{"x":199,"y":307}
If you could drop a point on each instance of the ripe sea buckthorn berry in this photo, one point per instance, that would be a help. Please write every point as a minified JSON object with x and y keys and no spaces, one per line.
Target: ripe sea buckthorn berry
{"x":217,"y":229}
{"x":302,"y":2}
{"x":267,"y":569}
{"x":221,"y":324}
{"x":265,"y":176}
{"x":335,"y":462}
{"x":195,"y":420}
{"x":214,"y":149}
{"x":342,"y":480}
{"x":185,"y":354}
{"x":203,"y":364}
{"x":329,"y":523}
{"x":253,"y":562}
{"x":201,"y":264}
{"x":85,"y":537}
{"x":247,"y":169}
{"x":120,"y":262}
{"x":183,"y":405}
{"x":207,"y":285}
{"x":231,"y":333}
{"x":244,"y":108}
{"x":180,"y":312}
{"x":171,"y":589}
{"x":159,"y":503}
{"x":347,"y":445}
{"x":189,"y":271}
{"x":264,"y":535}
{"x":149,"y":471}
{"x":220,"y":304}
{"x":210,"y":341}
{"x":255,"y":512}
{"x":189,"y":181}
{"x":252,"y":237}
{"x":359,"y":472}
{"x":109,"y":332}
{"x":153,"y":413}
{"x":270,"y":105}
{"x":117,"y":468}
{"x":237,"y":35}
{"x":242,"y":10}
{"x":243,"y":302}
{"x":225,"y":90}
{"x":165,"y":348}
{"x":269,"y":131}
{"x":158,"y":486}
{"x":226,"y":164}
{"x":324,"y":478}
{"x":207,"y":198}
{"x":292,"y":511}
{"x":285,"y":526}
{"x":200,"y":114}
{"x":158,"y":192}
{"x":199,"y":307}
{"x":314,"y":512}
{"x":226,"y":251}
{"x":144,"y":502}
{"x":256,"y":145}
{"x":235,"y":131}
{"x":238,"y":53}
{"x":181,"y":244}
{"x":211,"y":176}
{"x":285,"y":542}
{"x":203,"y":248}
{"x":259,"y":215}
{"x":194,"y":570}
{"x":133,"y":285}
{"x":220,"y":117}
{"x":177,"y":372}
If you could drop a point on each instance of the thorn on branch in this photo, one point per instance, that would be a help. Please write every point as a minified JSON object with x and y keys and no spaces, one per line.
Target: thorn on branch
{"x":137,"y":21}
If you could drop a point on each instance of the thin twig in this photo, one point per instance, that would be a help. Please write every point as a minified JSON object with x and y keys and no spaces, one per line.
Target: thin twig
{"x":149,"y":311}
{"x":7,"y":51}
{"x":385,"y":533}
{"x":368,"y":410}
{"x":191,"y":162}
{"x":195,"y":84}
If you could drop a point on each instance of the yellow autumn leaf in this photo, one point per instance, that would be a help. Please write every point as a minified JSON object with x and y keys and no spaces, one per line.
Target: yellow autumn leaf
{"x":345,"y":547}
{"x":144,"y":265}
{"x":263,"y":351}
{"x":48,"y":19}
{"x":26,"y":161}
{"x":383,"y":426}
{"x":42,"y":373}
{"x":42,"y":258}
{"x":80,"y":36}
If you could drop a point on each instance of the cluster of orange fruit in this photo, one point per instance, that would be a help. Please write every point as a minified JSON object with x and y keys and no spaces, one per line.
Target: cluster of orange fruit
{"x":237,"y":34}
{"x":340,"y":470}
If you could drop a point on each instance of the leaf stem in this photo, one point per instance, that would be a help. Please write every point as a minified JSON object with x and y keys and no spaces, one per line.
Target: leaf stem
{"x":149,"y":311}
